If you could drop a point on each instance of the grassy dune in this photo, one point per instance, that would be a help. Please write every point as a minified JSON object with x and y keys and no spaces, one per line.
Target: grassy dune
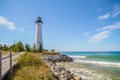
{"x":31,"y":67}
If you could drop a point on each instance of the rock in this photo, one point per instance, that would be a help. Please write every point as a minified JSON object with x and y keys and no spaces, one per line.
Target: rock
{"x":77,"y":78}
{"x":57,"y":58}
{"x":63,"y":72}
{"x":60,"y":72}
{"x":63,"y":77}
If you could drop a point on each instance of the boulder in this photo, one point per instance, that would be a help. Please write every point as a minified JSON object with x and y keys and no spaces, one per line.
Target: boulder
{"x":58,"y":71}
{"x":57,"y":58}
{"x":77,"y":78}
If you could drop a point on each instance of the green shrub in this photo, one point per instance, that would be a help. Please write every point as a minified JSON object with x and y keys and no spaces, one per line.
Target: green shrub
{"x":18,"y":47}
{"x":31,"y":67}
{"x":29,"y":59}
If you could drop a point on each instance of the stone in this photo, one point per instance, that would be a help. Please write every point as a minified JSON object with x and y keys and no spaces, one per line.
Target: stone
{"x":77,"y":78}
{"x":57,"y":74}
{"x":58,"y":71}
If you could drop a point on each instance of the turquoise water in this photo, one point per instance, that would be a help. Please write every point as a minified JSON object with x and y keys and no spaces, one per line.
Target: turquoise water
{"x":104,"y":56}
{"x":112,"y":53}
{"x":95,"y":65}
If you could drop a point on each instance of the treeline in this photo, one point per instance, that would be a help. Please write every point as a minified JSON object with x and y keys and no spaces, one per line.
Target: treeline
{"x":16,"y":47}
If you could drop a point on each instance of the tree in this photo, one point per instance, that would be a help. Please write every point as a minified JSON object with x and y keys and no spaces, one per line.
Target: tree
{"x":13,"y":47}
{"x":0,"y":46}
{"x":34,"y":47}
{"x":5,"y":47}
{"x":19,"y":47}
{"x":27,"y":47}
{"x":40,"y":48}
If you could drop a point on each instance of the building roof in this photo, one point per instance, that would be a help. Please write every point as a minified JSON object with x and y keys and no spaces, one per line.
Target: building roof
{"x":39,"y":19}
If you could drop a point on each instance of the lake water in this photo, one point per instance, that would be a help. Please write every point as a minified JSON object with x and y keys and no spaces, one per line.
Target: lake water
{"x":95,"y":65}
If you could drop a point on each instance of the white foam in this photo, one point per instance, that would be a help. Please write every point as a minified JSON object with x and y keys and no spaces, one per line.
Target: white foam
{"x":78,"y":57}
{"x":81,"y":59}
{"x":86,"y":73}
{"x":101,"y":63}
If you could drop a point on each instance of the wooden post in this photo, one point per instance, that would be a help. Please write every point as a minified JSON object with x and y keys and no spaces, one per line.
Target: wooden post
{"x":0,"y":65}
{"x":10,"y":62}
{"x":42,"y":77}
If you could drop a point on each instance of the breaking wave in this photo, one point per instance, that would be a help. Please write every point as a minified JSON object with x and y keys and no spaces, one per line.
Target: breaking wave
{"x":101,"y":61}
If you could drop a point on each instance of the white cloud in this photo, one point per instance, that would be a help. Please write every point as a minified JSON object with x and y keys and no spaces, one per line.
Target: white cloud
{"x":116,"y":13}
{"x":105,"y":16}
{"x":112,"y":27}
{"x":105,"y":33}
{"x":99,"y":37}
{"x":113,"y":13}
{"x":116,"y":10}
{"x":2,"y":43}
{"x":4,"y":22}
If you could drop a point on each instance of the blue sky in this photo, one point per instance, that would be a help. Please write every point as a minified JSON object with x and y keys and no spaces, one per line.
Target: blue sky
{"x":68,"y":25}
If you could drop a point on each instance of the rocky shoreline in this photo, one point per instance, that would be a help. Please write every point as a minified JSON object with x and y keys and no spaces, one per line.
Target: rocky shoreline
{"x":59,"y":72}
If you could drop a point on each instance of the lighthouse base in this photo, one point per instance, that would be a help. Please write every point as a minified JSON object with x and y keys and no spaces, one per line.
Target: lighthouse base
{"x":38,"y":47}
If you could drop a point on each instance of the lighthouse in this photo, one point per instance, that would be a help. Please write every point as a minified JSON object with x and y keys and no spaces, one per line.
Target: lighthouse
{"x":38,"y":35}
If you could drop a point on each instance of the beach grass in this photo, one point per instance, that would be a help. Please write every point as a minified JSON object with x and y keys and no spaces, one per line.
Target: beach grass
{"x":31,"y":67}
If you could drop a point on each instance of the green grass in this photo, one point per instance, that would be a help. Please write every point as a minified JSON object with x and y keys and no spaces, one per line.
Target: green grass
{"x":29,"y":59}
{"x":31,"y":67}
{"x":47,"y":52}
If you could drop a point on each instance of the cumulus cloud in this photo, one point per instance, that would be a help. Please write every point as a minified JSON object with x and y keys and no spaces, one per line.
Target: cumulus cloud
{"x":105,"y":16}
{"x":104,"y":34}
{"x":4,"y":22}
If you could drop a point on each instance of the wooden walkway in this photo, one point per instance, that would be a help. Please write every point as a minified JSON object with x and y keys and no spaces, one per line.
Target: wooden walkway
{"x":5,"y":64}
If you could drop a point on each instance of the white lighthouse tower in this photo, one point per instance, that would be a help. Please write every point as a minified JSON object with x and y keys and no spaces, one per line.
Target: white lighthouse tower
{"x":38,"y":35}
